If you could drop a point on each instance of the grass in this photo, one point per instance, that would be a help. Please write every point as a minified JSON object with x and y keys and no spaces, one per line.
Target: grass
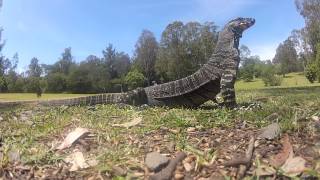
{"x":33,"y":96}
{"x":290,"y":80}
{"x":48,"y":124}
{"x":34,"y":137}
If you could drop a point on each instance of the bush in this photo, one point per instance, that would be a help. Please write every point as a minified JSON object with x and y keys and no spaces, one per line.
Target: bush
{"x":270,"y":78}
{"x":311,"y":72}
{"x":247,"y":76}
{"x":134,"y":79}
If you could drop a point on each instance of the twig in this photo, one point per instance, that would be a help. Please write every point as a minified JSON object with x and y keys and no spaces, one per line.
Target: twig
{"x":166,"y":173}
{"x":243,"y":168}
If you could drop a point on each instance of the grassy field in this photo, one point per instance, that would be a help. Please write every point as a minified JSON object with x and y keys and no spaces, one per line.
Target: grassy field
{"x":33,"y":96}
{"x":290,"y":80}
{"x":33,"y":132}
{"x":207,"y":134}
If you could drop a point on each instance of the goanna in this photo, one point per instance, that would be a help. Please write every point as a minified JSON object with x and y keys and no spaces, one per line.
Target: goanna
{"x":218,"y":75}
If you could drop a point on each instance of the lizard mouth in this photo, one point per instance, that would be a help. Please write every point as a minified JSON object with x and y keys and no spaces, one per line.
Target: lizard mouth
{"x":247,"y":23}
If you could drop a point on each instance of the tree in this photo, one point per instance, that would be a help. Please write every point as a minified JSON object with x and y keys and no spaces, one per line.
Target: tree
{"x":78,"y":81}
{"x":64,"y":64}
{"x":146,"y":54}
{"x":57,"y":82}
{"x":244,"y":52}
{"x":97,"y":73}
{"x":311,"y":72}
{"x":317,"y":62}
{"x":134,"y":79}
{"x":122,"y":64}
{"x":286,"y":56}
{"x":117,"y":65}
{"x":109,"y":57}
{"x":35,"y":69}
{"x":269,"y":76}
{"x":184,"y":48}
{"x":34,"y":73}
{"x":310,"y":10}
{"x":12,"y":77}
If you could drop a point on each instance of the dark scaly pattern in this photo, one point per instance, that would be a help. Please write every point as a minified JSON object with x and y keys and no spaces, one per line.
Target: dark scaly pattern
{"x":216,"y":76}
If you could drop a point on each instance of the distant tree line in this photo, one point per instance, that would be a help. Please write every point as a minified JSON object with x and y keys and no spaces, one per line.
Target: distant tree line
{"x":182,"y":49}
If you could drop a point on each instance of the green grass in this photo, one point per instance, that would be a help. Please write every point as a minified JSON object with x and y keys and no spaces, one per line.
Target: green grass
{"x":290,"y":80}
{"x":117,"y":146}
{"x":33,"y":96}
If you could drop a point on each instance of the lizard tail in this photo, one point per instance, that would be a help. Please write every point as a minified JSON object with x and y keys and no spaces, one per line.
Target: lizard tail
{"x":135,"y":97}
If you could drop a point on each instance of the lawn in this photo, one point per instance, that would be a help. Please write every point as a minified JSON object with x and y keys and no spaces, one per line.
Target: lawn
{"x":33,"y":96}
{"x":209,"y":135}
{"x":290,"y":80}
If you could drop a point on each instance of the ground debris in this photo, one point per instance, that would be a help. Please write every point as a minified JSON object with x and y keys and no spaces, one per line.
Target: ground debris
{"x":270,"y":132}
{"x":72,"y":137}
{"x":287,"y":151}
{"x":134,"y":122}
{"x":155,"y":161}
{"x":76,"y":159}
{"x":167,"y":172}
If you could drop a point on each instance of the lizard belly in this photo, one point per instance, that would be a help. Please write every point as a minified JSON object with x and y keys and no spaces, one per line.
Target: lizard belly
{"x":194,"y":98}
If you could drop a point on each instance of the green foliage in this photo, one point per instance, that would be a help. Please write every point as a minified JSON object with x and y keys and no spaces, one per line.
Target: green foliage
{"x":3,"y":84}
{"x":78,"y":81}
{"x":286,"y":56}
{"x":317,"y":62}
{"x":310,"y":10}
{"x":311,"y":72}
{"x":184,"y":48}
{"x":57,"y":82}
{"x":134,"y":79}
{"x":146,"y":53}
{"x":251,"y":66}
{"x":34,"y":68}
{"x":270,"y":78}
{"x":32,"y":84}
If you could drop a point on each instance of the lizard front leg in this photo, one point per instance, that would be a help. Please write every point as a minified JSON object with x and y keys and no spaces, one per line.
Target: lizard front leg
{"x":227,"y":91}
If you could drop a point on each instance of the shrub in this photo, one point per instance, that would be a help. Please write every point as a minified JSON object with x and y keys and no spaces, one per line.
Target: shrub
{"x":134,"y":79}
{"x":270,"y":78}
{"x":311,"y":72}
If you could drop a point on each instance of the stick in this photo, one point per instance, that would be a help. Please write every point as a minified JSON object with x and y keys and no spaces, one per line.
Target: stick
{"x":243,"y":168}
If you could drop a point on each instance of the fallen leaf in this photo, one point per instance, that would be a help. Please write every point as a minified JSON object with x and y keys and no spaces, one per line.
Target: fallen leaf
{"x":134,"y":122}
{"x":294,"y":166}
{"x":72,"y":137}
{"x":286,"y":152}
{"x":77,"y":160}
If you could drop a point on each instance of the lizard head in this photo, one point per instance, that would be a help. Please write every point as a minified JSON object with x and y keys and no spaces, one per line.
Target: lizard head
{"x":240,"y":24}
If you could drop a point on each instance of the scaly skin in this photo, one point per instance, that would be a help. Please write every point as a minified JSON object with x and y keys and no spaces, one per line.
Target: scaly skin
{"x":218,"y":75}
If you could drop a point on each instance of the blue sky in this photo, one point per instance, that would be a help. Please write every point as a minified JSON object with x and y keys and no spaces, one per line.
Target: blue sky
{"x":43,"y":28}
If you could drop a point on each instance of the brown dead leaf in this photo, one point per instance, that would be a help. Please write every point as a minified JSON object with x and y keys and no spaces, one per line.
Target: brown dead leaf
{"x":73,"y":137}
{"x":286,"y":152}
{"x":294,"y":166}
{"x":134,"y":122}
